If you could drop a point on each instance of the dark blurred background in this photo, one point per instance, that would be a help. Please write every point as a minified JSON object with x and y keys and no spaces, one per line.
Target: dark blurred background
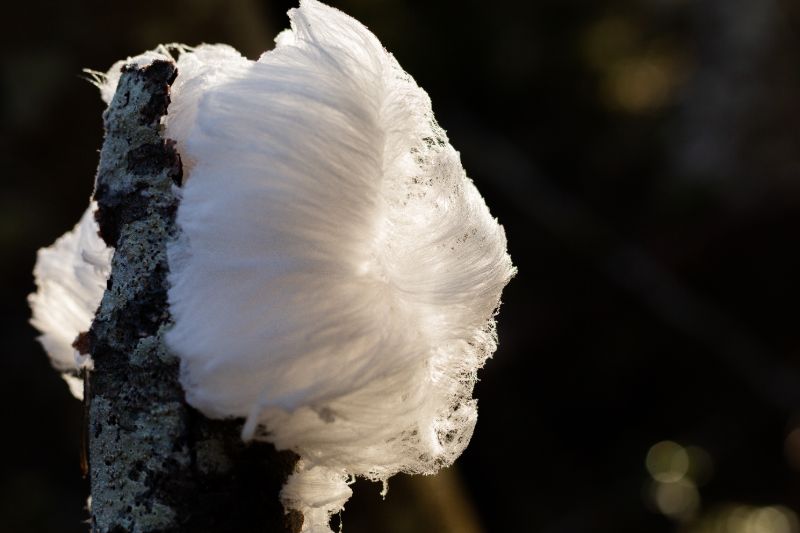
{"x":644,"y":158}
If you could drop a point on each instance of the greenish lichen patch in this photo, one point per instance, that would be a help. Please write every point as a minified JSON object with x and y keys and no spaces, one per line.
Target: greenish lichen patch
{"x":151,"y":350}
{"x":131,"y":451}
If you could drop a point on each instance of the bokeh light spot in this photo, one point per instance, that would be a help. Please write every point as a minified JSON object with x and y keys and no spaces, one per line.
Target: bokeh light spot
{"x":679,"y":499}
{"x":667,"y":461}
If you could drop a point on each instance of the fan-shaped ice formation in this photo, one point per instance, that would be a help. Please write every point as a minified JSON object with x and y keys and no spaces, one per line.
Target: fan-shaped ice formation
{"x":70,"y":277}
{"x":337,"y":275}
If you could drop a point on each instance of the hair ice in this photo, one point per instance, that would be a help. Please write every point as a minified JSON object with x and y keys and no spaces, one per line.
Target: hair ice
{"x":70,"y":277}
{"x":337,"y":274}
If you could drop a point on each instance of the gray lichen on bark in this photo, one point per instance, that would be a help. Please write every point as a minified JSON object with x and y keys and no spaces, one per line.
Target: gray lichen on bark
{"x":155,"y":464}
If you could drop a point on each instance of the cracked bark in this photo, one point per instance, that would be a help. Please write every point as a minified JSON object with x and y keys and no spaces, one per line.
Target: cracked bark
{"x":156,"y":464}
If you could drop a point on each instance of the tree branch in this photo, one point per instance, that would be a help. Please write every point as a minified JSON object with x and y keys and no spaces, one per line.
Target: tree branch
{"x":156,"y":464}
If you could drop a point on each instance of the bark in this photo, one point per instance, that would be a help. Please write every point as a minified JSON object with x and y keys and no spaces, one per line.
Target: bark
{"x":156,"y":464}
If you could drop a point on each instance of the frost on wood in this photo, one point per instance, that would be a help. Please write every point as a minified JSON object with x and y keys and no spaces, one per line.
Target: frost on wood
{"x":337,"y":275}
{"x":70,"y":279}
{"x":332,"y":273}
{"x":155,"y":463}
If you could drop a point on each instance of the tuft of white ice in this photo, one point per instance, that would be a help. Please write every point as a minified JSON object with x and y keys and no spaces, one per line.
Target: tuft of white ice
{"x":337,"y":274}
{"x":70,"y":277}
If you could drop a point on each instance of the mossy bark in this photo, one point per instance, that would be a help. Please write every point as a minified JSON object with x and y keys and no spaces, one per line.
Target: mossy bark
{"x":155,"y":464}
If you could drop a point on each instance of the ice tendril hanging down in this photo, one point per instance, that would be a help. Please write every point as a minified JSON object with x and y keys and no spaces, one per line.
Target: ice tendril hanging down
{"x":337,"y":275}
